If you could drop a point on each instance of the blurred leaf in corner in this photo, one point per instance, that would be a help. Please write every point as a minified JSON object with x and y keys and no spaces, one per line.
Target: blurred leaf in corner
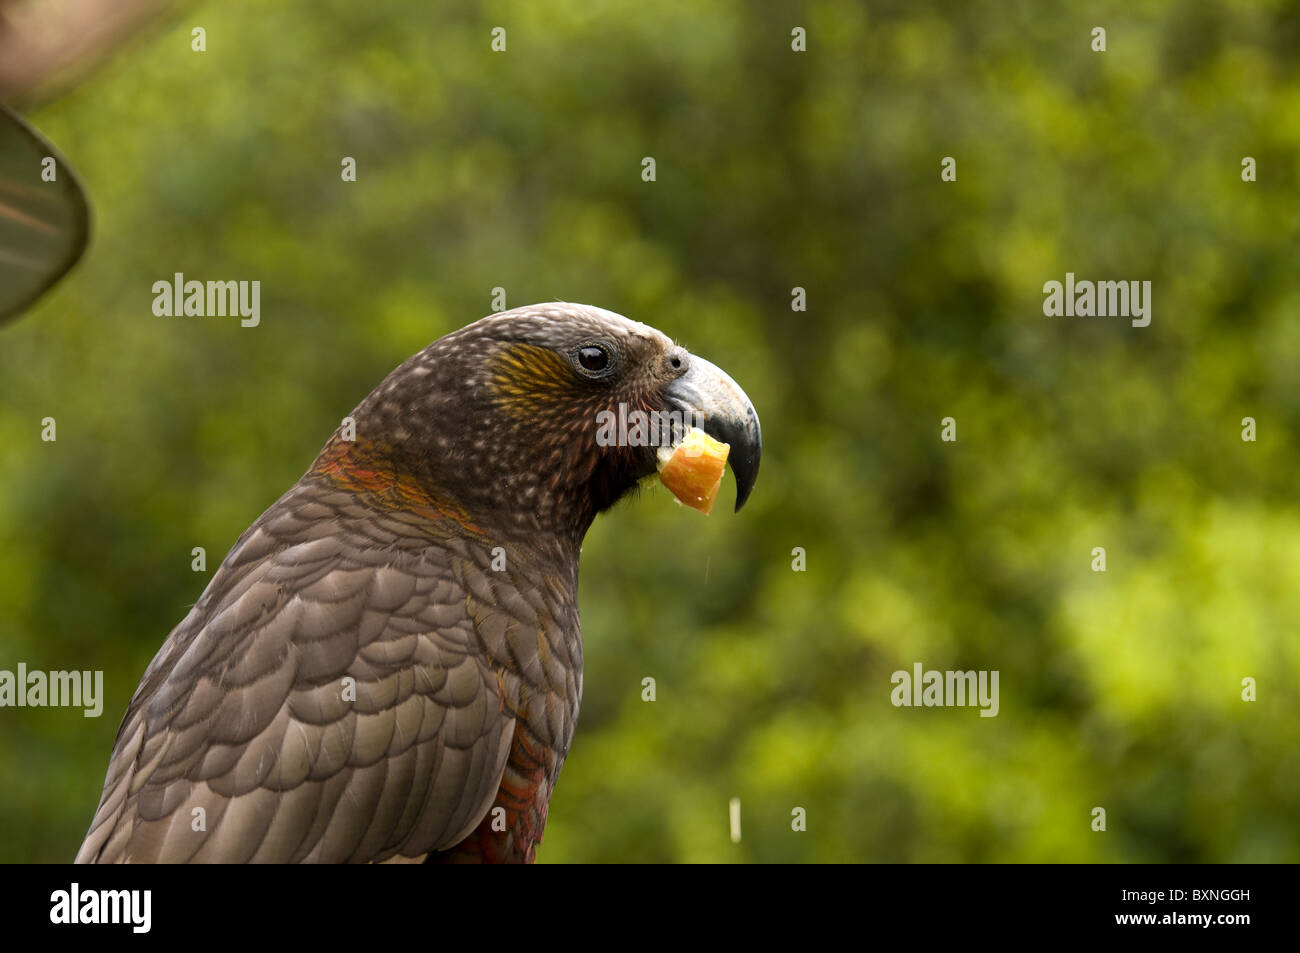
{"x":45,"y":48}
{"x":44,"y":215}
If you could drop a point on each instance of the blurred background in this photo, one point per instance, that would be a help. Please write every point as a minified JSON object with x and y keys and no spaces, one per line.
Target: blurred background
{"x":775,"y":169}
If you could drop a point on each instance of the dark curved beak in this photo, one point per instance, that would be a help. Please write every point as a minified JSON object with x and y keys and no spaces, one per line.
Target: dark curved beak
{"x":713,"y":399}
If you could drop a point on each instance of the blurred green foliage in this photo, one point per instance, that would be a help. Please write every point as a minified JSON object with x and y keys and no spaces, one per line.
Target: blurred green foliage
{"x":775,"y":169}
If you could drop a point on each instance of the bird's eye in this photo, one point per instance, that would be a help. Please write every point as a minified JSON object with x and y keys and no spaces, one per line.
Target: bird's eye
{"x":593,"y":359}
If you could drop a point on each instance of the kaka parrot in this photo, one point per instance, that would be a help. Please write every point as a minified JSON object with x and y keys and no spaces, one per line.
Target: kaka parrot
{"x":387,"y":666}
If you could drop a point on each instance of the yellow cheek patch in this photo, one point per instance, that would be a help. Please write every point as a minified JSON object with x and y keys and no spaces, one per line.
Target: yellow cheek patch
{"x":526,"y":377}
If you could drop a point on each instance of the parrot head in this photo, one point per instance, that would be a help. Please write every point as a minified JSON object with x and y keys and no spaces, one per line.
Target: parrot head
{"x":542,"y":416}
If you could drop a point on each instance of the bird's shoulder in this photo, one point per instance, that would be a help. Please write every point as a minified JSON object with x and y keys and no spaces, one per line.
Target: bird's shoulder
{"x":334,"y":647}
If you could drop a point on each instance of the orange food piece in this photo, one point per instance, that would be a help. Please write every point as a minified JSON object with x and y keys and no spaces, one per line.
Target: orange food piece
{"x":694,"y":470}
